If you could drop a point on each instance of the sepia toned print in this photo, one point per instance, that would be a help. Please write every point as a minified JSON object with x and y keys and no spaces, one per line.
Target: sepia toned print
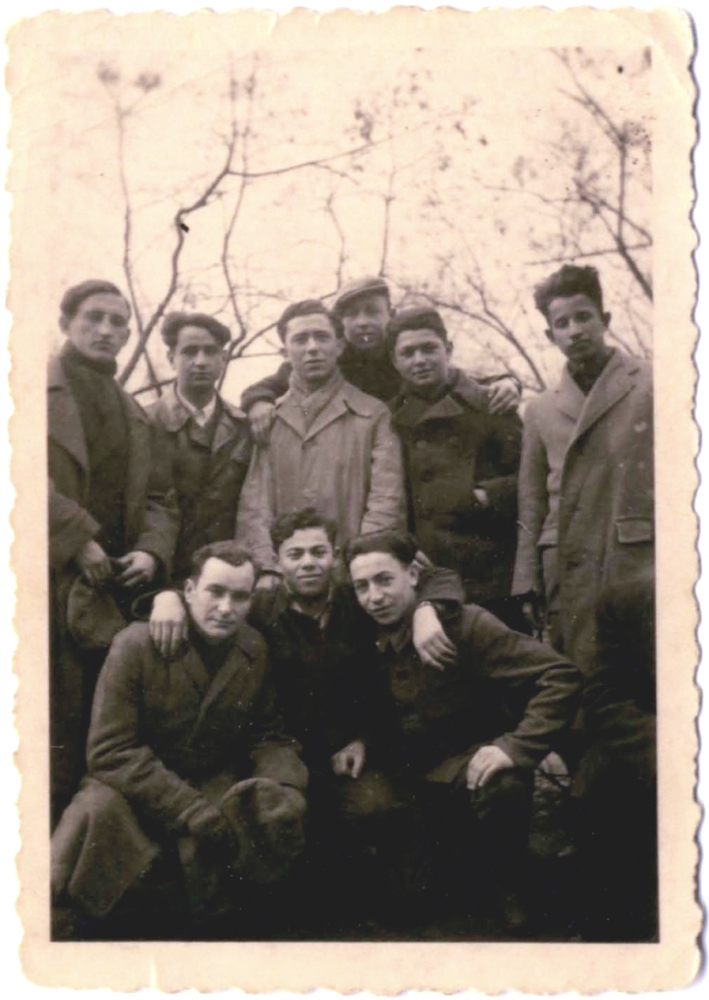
{"x":369,"y":623}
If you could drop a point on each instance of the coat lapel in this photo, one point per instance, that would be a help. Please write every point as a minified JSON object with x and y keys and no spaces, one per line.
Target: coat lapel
{"x":336,"y":408}
{"x":64,"y":421}
{"x":233,"y":674}
{"x":568,"y":397}
{"x":227,"y":427}
{"x":613,"y":384}
{"x":289,"y":413}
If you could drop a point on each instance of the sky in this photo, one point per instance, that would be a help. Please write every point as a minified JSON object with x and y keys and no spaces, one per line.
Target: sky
{"x":505,"y":99}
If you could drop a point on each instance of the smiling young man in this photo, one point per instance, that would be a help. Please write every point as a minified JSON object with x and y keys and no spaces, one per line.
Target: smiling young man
{"x":331,"y":445}
{"x":586,"y":507}
{"x":321,"y":647}
{"x":187,"y":761}
{"x":460,"y":460}
{"x":363,"y":307}
{"x":208,"y":438}
{"x":112,"y":518}
{"x":458,"y":747}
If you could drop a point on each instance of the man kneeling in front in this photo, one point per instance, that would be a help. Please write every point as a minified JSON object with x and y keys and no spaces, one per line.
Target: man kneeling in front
{"x":458,"y":746}
{"x":190,"y":779}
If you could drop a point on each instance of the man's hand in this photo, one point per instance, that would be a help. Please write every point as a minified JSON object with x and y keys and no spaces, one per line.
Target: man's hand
{"x":349,"y":760}
{"x":432,"y":644}
{"x":94,"y":563}
{"x":531,"y":605}
{"x":138,"y":567}
{"x":261,"y":416}
{"x":210,"y":824}
{"x":268,"y":581}
{"x":168,"y":623}
{"x":481,"y":497}
{"x":503,"y":395}
{"x":486,"y":762}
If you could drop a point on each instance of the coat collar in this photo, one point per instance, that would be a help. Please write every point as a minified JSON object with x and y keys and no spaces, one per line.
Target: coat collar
{"x":348,"y":400}
{"x":463,"y":392}
{"x":613,"y":384}
{"x":234,"y":670}
{"x":173,"y":416}
{"x":64,"y":418}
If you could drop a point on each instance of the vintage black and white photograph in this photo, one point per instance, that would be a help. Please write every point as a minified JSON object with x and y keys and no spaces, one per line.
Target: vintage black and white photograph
{"x":350,"y":457}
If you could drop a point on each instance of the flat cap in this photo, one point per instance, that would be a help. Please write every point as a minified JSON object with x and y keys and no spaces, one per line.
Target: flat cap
{"x":418,"y":317}
{"x":74,"y":296}
{"x":360,"y":286}
{"x":174,"y":322}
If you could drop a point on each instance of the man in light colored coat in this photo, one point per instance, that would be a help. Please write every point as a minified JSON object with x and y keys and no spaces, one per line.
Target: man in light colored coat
{"x":332,"y":446}
{"x":586,"y":501}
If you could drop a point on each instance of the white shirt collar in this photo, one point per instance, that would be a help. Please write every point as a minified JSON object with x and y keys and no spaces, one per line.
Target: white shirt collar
{"x":200,"y":417}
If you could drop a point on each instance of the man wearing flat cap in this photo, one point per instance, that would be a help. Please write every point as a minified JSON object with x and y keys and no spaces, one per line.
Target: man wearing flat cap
{"x":461,"y":463}
{"x":363,"y":307}
{"x":112,"y":518}
{"x":209,"y":443}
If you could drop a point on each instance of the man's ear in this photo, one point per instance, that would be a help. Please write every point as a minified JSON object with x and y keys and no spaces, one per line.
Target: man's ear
{"x":449,"y":347}
{"x":414,"y":573}
{"x":189,"y":588}
{"x":63,"y":323}
{"x":341,"y":342}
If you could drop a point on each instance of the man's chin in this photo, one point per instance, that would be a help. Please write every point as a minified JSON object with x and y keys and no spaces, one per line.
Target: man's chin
{"x":216,"y":633}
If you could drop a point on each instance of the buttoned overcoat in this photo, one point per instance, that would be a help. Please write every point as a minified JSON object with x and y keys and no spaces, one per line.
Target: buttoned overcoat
{"x":162,"y":732}
{"x":347,"y":464}
{"x":586,"y":481}
{"x":451,"y":447}
{"x":207,"y":514}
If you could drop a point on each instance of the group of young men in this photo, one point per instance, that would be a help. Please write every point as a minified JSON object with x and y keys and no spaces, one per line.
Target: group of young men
{"x":294,"y":646}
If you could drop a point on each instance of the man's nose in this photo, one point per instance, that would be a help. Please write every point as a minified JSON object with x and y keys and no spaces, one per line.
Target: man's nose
{"x":104,"y":325}
{"x":224,"y":605}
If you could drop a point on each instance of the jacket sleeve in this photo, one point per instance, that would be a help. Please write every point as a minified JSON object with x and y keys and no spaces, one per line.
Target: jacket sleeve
{"x":161,"y":521}
{"x":70,"y":527}
{"x":486,"y":380}
{"x":499,"y":460}
{"x":269,"y":389}
{"x":115,"y":753}
{"x":386,"y":501}
{"x":541,"y":689}
{"x":533,"y":505}
{"x":441,"y":586}
{"x":255,"y":514}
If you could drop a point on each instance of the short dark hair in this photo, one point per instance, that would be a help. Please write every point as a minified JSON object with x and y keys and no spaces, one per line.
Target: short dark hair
{"x":74,"y":296}
{"x":175,"y":321}
{"x":569,"y":280}
{"x":307,"y":307}
{"x":398,"y":544}
{"x":285,"y":526}
{"x":415,"y":318}
{"x":228,"y":551}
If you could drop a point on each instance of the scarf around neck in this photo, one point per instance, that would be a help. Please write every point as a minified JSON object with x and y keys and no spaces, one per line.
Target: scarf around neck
{"x":311,"y":403}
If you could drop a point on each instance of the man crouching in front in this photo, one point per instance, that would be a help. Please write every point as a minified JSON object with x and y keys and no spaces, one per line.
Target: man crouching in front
{"x":193,"y":793}
{"x":458,"y":746}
